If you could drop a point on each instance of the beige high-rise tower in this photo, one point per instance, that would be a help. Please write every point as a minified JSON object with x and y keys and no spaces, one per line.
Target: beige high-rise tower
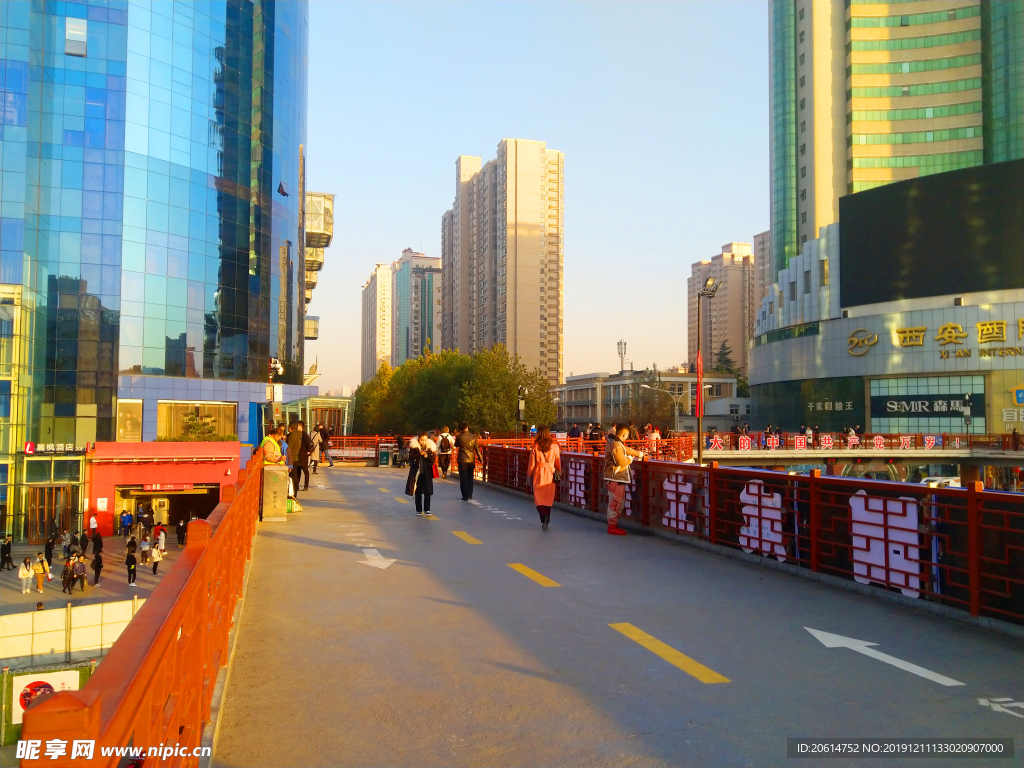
{"x":729,"y":316}
{"x":376,"y":321}
{"x":502,"y":255}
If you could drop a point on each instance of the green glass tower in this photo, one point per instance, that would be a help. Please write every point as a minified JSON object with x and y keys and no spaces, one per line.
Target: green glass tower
{"x":1002,"y":35}
{"x":866,"y":93}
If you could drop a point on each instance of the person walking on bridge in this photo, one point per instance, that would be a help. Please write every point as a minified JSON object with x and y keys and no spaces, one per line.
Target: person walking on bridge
{"x":617,"y":474}
{"x":298,"y":454}
{"x":315,"y":442}
{"x":465,"y":444}
{"x":445,"y":443}
{"x":545,"y":471}
{"x":325,"y":443}
{"x":420,"y":484}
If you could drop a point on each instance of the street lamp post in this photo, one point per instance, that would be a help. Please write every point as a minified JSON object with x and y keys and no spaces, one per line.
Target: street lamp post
{"x":707,"y":292}
{"x":273,"y":367}
{"x":675,"y":400}
{"x":521,"y":407}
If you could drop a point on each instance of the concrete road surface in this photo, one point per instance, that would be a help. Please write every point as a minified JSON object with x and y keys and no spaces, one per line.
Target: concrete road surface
{"x":489,"y":642}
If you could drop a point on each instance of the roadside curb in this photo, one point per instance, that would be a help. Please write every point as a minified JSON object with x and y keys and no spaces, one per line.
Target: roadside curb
{"x":982,"y":622}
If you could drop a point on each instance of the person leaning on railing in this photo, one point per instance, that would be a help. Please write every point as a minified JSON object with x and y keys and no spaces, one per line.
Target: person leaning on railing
{"x":617,"y":474}
{"x":271,"y":446}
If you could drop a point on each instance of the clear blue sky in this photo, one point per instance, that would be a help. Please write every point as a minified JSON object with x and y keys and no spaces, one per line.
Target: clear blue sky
{"x":661,"y":110}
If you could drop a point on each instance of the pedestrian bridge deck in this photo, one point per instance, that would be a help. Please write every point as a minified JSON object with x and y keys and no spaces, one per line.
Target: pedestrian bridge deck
{"x":627,"y":651}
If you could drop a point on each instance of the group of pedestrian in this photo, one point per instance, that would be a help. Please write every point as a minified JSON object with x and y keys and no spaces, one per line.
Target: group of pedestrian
{"x":429,"y":455}
{"x":544,"y":470}
{"x":299,"y":450}
{"x":75,"y":550}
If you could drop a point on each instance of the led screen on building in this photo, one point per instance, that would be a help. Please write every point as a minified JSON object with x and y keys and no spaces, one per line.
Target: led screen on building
{"x":950,"y":233}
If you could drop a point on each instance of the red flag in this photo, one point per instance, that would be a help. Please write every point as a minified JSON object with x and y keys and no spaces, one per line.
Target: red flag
{"x":700,"y":385}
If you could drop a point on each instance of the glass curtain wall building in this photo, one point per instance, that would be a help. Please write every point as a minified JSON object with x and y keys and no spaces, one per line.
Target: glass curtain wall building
{"x":151,"y":220}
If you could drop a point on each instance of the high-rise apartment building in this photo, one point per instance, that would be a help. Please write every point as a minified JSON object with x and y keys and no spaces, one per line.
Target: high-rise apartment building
{"x":416,"y":297}
{"x":502,"y":252}
{"x":729,"y":316}
{"x":153,"y":231}
{"x":762,"y":251}
{"x":865,"y":93}
{"x":376,"y":322}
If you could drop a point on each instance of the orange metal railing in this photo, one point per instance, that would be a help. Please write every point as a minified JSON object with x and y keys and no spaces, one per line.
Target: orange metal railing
{"x":362,"y":447}
{"x":681,"y":448}
{"x":956,"y":546}
{"x":156,"y":683}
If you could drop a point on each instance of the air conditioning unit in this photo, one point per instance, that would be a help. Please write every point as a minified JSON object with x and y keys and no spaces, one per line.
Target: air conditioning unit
{"x":736,"y":417}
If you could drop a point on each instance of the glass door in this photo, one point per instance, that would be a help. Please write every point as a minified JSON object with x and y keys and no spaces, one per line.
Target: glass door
{"x":49,"y":508}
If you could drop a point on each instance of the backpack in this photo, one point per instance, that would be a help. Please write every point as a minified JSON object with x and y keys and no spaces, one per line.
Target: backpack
{"x":446,"y":445}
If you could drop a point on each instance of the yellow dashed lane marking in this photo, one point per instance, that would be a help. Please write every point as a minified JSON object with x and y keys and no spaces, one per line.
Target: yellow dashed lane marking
{"x":401,"y":501}
{"x":383,"y":490}
{"x":529,"y":573}
{"x":671,"y":655}
{"x":368,"y":481}
{"x":466,"y":537}
{"x":430,"y":516}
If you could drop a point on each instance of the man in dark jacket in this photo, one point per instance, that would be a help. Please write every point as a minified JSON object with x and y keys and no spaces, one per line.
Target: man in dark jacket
{"x":325,"y":441}
{"x":465,"y":445}
{"x":299,"y":447}
{"x":575,"y":431}
{"x":97,"y":543}
{"x":6,"y":563}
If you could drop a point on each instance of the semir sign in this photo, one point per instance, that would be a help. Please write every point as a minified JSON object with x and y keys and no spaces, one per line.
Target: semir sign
{"x":917,"y":406}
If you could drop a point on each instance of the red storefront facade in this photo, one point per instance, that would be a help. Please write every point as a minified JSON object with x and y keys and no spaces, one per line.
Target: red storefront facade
{"x":176,"y":479}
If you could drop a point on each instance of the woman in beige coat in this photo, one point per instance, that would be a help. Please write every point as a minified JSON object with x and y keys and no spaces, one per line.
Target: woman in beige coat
{"x":617,"y":474}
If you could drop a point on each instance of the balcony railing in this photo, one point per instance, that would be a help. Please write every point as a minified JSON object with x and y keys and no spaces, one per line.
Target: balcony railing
{"x":312,"y":328}
{"x":311,"y":276}
{"x":309,"y":295}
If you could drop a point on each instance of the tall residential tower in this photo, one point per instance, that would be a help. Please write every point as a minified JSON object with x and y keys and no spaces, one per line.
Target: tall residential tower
{"x":729,"y":316}
{"x":376,"y":322}
{"x":502,"y":252}
{"x":415,"y":306}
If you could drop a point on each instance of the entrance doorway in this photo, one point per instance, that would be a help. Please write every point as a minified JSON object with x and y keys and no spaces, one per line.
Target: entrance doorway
{"x":49,"y":507}
{"x":169,"y":506}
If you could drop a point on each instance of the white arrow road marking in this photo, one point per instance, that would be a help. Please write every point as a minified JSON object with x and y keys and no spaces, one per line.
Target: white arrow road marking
{"x":1000,"y":705}
{"x":862,"y":646}
{"x":376,"y":559}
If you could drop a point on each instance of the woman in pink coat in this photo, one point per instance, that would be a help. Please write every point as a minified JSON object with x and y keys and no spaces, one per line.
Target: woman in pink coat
{"x":544,"y":463}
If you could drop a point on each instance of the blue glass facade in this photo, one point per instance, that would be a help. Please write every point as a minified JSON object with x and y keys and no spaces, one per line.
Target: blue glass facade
{"x":150,"y":206}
